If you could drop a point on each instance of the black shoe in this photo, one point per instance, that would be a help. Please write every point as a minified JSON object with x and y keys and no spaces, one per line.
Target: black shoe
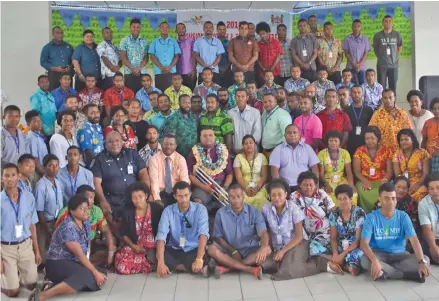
{"x":414,"y":276}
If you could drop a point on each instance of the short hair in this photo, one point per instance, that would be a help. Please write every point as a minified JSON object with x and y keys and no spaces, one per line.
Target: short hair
{"x":330,"y":90}
{"x":401,"y":178}
{"x":300,"y":21}
{"x":235,"y":186}
{"x":281,"y":25}
{"x":76,"y":201}
{"x":49,"y":157}
{"x":207,"y":23}
{"x":322,"y":68}
{"x":180,"y":24}
{"x":344,"y":188}
{"x":373,"y":130}
{"x":87,"y":31}
{"x":294,"y":93}
{"x":11,"y":108}
{"x":223,"y":89}
{"x":387,"y":17}
{"x":91,"y":75}
{"x":73,"y":147}
{"x":84,"y":188}
{"x":133,"y":100}
{"x":116,"y":109}
{"x":65,"y":74}
{"x":434,"y":102}
{"x":164,"y":95}
{"x":42,"y":76}
{"x":370,"y":70}
{"x":357,"y":21}
{"x":307,"y":175}
{"x":386,"y":187}
{"x":88,"y":106}
{"x":146,"y":75}
{"x":181,"y":185}
{"x":182,"y":96}
{"x":153,"y":92}
{"x":196,"y":97}
{"x":251,"y":82}
{"x":25,"y":157}
{"x":411,"y":134}
{"x":137,"y":186}
{"x":30,"y":115}
{"x":263,"y":26}
{"x":242,"y":23}
{"x":211,"y":95}
{"x":151,"y":126}
{"x":415,"y":93}
{"x":333,"y":134}
{"x":176,"y":75}
{"x":278,"y":183}
{"x":117,"y":73}
{"x":164,"y":22}
{"x":388,"y":90}
{"x":346,"y":70}
{"x":327,"y":24}
{"x":135,"y":21}
{"x":106,"y":28}
{"x":56,"y":27}
{"x":241,"y":90}
{"x":169,"y":136}
{"x":311,"y":16}
{"x":357,"y":86}
{"x":433,"y":177}
{"x":71,"y":96}
{"x":9,"y":166}
{"x":220,"y":23}
{"x":207,"y":69}
{"x":64,"y":113}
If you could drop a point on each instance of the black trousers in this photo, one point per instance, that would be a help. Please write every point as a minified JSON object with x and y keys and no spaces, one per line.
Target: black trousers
{"x":335,"y":77}
{"x":310,"y":75}
{"x":189,"y":81}
{"x":388,"y":75}
{"x":281,"y":80}
{"x":167,"y":198}
{"x":107,"y":83}
{"x":54,"y":78}
{"x":133,"y":82}
{"x":226,"y":79}
{"x":163,"y":81}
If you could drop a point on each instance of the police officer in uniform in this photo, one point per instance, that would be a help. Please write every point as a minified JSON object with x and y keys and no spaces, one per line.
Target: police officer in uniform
{"x":114,"y":170}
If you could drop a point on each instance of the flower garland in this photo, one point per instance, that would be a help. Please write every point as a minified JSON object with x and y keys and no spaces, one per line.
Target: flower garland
{"x":209,"y":167}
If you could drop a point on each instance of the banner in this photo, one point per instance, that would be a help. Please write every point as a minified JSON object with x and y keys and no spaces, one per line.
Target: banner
{"x":371,"y":17}
{"x":194,"y":21}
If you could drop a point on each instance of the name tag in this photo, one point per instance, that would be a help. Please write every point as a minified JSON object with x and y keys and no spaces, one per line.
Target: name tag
{"x":372,"y":171}
{"x":136,"y":140}
{"x":18,"y":231}
{"x":358,"y":130}
{"x":330,"y":54}
{"x":345,"y":244}
{"x":130,"y":169}
{"x":406,"y":174}
{"x":304,"y":52}
{"x":182,"y":241}
{"x":334,"y":178}
{"x":279,"y":238}
{"x":388,"y":51}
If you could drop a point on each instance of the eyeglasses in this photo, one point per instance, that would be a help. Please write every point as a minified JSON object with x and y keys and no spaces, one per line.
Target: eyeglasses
{"x":187,"y":223}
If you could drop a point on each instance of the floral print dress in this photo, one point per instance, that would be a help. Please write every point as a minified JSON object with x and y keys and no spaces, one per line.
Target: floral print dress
{"x":346,"y":231}
{"x":316,"y":224}
{"x":127,"y":261}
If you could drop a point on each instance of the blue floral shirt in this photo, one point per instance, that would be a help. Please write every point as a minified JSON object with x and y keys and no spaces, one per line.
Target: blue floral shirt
{"x":135,"y":50}
{"x":68,"y":231}
{"x":346,"y":229}
{"x":90,"y":136}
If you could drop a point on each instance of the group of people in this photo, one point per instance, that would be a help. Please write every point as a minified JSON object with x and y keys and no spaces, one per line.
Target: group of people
{"x":276,"y":162}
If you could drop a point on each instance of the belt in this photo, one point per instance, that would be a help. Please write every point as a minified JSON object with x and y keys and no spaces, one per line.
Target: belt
{"x":13,"y":243}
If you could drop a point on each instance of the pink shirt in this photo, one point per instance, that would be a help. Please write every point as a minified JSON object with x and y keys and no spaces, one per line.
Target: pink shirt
{"x":157,"y":168}
{"x":310,"y":127}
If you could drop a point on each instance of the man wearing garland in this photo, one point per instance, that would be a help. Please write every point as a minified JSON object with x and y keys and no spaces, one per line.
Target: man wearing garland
{"x":213,"y":158}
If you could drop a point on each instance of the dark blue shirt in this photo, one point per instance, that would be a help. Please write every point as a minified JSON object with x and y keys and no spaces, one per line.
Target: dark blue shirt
{"x":60,"y":97}
{"x":54,"y":55}
{"x":88,"y":59}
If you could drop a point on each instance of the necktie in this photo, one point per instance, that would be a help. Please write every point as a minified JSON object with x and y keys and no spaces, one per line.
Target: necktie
{"x":168,"y":182}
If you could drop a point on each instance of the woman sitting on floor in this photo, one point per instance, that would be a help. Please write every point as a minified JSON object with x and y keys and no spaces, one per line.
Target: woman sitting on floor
{"x":138,"y":230}
{"x":285,"y":224}
{"x":346,"y":223}
{"x":68,"y":265}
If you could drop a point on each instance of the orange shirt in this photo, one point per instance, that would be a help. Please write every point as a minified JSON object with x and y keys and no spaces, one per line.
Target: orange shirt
{"x":113,"y":98}
{"x":431,"y":136}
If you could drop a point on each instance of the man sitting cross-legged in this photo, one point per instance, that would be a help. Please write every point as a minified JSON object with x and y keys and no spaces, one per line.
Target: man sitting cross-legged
{"x":240,"y":237}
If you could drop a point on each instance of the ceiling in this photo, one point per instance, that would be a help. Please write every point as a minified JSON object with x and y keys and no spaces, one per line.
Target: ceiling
{"x":176,"y":5}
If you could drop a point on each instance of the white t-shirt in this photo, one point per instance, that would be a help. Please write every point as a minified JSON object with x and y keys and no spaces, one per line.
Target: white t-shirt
{"x":418,"y":123}
{"x":58,"y":146}
{"x":428,"y":213}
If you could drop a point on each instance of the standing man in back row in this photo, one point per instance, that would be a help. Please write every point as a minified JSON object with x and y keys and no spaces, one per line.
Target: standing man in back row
{"x":110,"y":58}
{"x":387,"y":45}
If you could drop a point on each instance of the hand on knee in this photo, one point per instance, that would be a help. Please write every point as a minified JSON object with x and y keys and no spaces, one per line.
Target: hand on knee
{"x":12,"y":293}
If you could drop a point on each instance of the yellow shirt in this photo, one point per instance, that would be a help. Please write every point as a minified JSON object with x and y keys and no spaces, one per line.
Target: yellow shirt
{"x":174,"y":95}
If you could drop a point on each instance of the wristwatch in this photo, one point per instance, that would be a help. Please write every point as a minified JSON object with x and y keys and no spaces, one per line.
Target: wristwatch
{"x":422,"y":261}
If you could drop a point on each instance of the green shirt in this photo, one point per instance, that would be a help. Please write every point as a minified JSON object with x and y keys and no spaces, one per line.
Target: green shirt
{"x":273,"y":127}
{"x":184,"y":129}
{"x":220,"y":123}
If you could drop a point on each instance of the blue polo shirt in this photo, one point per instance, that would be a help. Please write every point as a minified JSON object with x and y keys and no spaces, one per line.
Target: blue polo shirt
{"x":12,"y":214}
{"x":159,"y":120}
{"x":36,"y":146}
{"x":164,"y":50}
{"x":49,"y":199}
{"x":44,"y":103}
{"x":90,"y":136}
{"x":60,"y":97}
{"x":70,"y":185}
{"x":88,"y":59}
{"x":240,"y":231}
{"x":143,"y":96}
{"x":53,"y":55}
{"x":208,"y":49}
{"x":174,"y":224}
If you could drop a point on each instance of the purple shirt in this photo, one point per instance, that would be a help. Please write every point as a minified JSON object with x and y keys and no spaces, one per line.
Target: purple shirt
{"x":191,"y":161}
{"x":293,"y":161}
{"x":185,"y":63}
{"x":356,"y":47}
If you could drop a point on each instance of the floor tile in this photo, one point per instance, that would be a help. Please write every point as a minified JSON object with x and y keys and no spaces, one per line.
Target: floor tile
{"x":427,"y":291}
{"x":401,"y":294}
{"x":331,"y":297}
{"x":293,"y":288}
{"x":329,"y":287}
{"x":296,"y":298}
{"x":365,"y":295}
{"x":257,"y":288}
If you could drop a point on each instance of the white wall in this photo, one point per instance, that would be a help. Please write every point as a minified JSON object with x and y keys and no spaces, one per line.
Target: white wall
{"x":425,"y":42}
{"x":25,"y":29}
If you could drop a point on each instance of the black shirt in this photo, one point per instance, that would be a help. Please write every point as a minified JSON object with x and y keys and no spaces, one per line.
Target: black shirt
{"x":140,"y":128}
{"x":354,"y":140}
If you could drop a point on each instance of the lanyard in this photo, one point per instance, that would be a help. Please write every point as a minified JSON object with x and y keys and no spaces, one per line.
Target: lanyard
{"x":304,"y":43}
{"x":312,"y":202}
{"x":358,"y":117}
{"x":16,"y":208}
{"x":437,"y":209}
{"x":183,"y":218}
{"x":90,"y":96}
{"x":269,"y":115}
{"x":306,"y":123}
{"x":334,"y":163}
{"x":252,"y":166}
{"x":330,"y":44}
{"x":332,"y":116}
{"x":16,"y":139}
{"x":39,"y":135}
{"x":55,"y":190}
{"x":407,"y":161}
{"x":73,"y":185}
{"x":279,"y":219}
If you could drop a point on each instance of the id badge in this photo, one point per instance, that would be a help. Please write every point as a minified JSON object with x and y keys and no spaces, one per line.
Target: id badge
{"x":335,"y":179}
{"x":130,"y":169}
{"x":388,"y":51}
{"x":304,"y":52}
{"x":182,"y":241}
{"x":406,"y":174}
{"x":279,"y":238}
{"x":372,"y":171}
{"x":18,"y":231}
{"x":136,"y":140}
{"x":345,"y":244}
{"x":358,"y":130}
{"x":330,"y":55}
{"x":252,"y":184}
{"x":302,"y":140}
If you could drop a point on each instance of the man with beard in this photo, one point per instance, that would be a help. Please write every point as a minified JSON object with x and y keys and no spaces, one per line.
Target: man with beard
{"x":238,"y":76}
{"x":344,"y":97}
{"x":186,"y":65}
{"x":281,"y":98}
{"x":207,"y":86}
{"x":152,"y":147}
{"x":224,"y":65}
{"x":90,"y":135}
{"x":161,"y":117}
{"x":176,"y":90}
{"x":183,"y":125}
{"x":253,"y":101}
{"x":196,"y":106}
{"x":223,"y":96}
{"x":110,"y":58}
{"x":114,"y":170}
{"x":310,"y":92}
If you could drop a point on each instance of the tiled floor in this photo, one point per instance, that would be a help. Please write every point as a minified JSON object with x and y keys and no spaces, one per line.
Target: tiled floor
{"x":243,"y":287}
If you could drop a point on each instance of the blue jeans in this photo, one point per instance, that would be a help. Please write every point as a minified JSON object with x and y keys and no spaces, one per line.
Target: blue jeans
{"x":358,"y":78}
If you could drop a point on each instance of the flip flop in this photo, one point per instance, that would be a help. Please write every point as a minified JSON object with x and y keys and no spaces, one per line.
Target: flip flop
{"x":219,"y":270}
{"x":257,"y":272}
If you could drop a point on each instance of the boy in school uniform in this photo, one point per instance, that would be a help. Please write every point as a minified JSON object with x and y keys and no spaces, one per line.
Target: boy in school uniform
{"x":36,"y":141}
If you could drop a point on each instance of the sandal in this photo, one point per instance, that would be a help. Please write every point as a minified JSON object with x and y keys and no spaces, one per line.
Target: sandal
{"x":257,"y":272}
{"x":334,"y":269}
{"x":45,"y":285}
{"x":35,"y":295}
{"x":219,"y":270}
